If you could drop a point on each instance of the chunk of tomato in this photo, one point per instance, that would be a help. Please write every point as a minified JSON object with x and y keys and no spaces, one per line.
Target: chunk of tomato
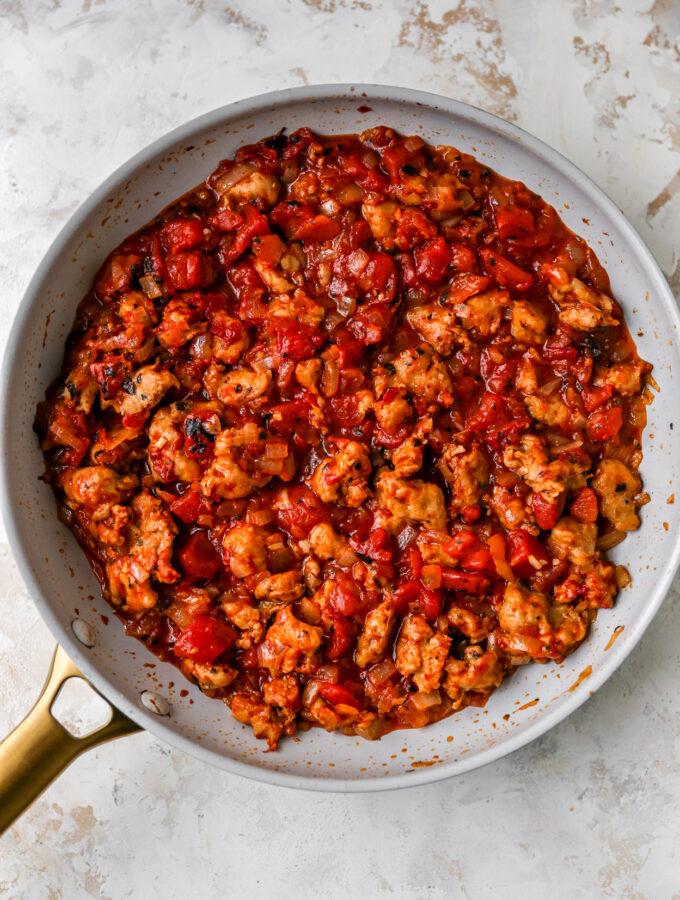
{"x":204,"y":640}
{"x":522,"y":547}
{"x":604,"y":424}
{"x":504,"y":272}
{"x":432,"y":260}
{"x":182,"y":234}
{"x":584,"y":506}
{"x":547,"y":512}
{"x":198,"y":558}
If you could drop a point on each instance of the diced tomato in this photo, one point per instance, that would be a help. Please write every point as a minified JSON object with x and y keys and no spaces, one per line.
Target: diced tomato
{"x":466,"y":285}
{"x":604,"y":424}
{"x":499,"y":377}
{"x":198,"y":558}
{"x":254,"y":223}
{"x":463,"y":258}
{"x":544,"y":230}
{"x":461,"y":544}
{"x":432,"y":260}
{"x":596,"y":396}
{"x":558,"y":348}
{"x":182,"y":234}
{"x":513,"y":222}
{"x":268,"y":248}
{"x":345,"y":411}
{"x":413,"y":561}
{"x":471,"y":583}
{"x":491,"y":409}
{"x":204,"y":640}
{"x":428,"y":603}
{"x":295,"y":340}
{"x":547,"y":512}
{"x":188,"y":506}
{"x":250,"y":290}
{"x":341,"y":636}
{"x":226,"y":220}
{"x":184,"y":270}
{"x":377,"y":548}
{"x":318,"y":228}
{"x":379,"y":275}
{"x":584,"y":506}
{"x":504,"y":272}
{"x":345,"y":596}
{"x":339,"y":694}
{"x":470,"y":514}
{"x":521,"y":546}
{"x":297,"y":510}
{"x":109,"y":373}
{"x":406,"y":268}
{"x":67,"y":428}
{"x":479,"y":561}
{"x":413,"y":228}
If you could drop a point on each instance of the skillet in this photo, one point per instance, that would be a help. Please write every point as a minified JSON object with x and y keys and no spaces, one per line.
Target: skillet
{"x":93,"y":642}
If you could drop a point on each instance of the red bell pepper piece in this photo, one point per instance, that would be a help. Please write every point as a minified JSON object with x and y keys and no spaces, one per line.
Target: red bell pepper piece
{"x":470,"y":582}
{"x":504,"y":272}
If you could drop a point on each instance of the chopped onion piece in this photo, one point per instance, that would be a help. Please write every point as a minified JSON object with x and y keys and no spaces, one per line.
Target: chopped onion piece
{"x":276,"y":451}
{"x":607,"y":541}
{"x":150,"y":287}
{"x":425,"y":699}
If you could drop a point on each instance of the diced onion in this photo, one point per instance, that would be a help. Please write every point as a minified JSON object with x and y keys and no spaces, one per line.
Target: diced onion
{"x":382,"y":671}
{"x":549,"y":386}
{"x":330,"y":379}
{"x":271,"y":466}
{"x":328,"y":673}
{"x":621,"y":576}
{"x":431,"y":576}
{"x":346,"y":305}
{"x":260,"y":517}
{"x":276,"y":451}
{"x":150,"y":288}
{"x":251,"y":432}
{"x":607,"y":541}
{"x":269,"y":656}
{"x":349,"y":194}
{"x":406,"y":535}
{"x":425,"y":699}
{"x":310,"y":693}
{"x":329,"y":207}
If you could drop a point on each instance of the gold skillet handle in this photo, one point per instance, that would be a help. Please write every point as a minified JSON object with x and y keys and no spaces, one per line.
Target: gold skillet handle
{"x":40,"y":748}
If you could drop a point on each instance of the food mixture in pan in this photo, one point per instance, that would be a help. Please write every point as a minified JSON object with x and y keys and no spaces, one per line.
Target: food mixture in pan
{"x":347,"y":430}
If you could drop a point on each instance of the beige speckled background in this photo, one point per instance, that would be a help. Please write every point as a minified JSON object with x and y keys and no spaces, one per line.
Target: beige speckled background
{"x":591,"y":809}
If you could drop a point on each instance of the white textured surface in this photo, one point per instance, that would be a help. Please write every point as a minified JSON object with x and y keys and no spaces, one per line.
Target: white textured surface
{"x":588,"y":811}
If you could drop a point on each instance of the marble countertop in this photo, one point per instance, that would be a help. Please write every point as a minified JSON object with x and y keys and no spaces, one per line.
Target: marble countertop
{"x":589,"y":810}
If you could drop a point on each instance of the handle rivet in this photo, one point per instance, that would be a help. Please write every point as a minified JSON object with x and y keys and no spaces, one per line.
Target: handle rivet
{"x":155,"y":703}
{"x":83,"y":632}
